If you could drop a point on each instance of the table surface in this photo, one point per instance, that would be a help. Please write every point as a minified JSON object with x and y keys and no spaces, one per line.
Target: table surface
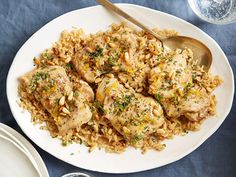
{"x":19,"y":19}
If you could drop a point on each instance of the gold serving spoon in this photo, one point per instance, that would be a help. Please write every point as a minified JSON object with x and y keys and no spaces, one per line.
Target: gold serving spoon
{"x":201,"y":52}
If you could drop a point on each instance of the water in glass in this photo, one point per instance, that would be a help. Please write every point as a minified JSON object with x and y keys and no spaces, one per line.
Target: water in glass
{"x":215,"y":11}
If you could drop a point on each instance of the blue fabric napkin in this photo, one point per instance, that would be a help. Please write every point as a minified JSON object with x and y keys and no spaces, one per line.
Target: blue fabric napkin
{"x":19,"y":19}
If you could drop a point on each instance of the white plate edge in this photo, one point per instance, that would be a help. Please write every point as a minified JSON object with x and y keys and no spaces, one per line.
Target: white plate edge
{"x":38,"y":159}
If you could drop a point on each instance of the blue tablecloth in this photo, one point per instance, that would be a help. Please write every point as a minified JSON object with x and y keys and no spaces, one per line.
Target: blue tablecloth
{"x":19,"y":19}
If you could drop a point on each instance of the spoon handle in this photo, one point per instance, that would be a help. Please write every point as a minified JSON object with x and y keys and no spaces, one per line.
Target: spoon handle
{"x":112,"y":7}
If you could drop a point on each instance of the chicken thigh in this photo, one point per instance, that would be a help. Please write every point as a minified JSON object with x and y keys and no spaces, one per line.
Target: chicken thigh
{"x":132,"y":114}
{"x":53,"y":89}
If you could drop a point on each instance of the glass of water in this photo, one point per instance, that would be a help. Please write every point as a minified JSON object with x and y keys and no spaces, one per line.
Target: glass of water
{"x":215,"y":11}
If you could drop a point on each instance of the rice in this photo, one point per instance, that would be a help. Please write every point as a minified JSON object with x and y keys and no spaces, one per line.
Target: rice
{"x":141,"y":57}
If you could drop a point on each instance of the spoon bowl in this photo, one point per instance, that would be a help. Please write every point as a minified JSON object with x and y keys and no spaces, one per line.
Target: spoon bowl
{"x":201,"y":53}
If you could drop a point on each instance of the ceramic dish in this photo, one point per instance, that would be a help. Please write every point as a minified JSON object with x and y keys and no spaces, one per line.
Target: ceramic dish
{"x":97,"y":18}
{"x":26,"y":168}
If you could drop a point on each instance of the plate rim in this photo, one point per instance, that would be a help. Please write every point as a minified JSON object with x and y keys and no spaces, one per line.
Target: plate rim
{"x":199,"y":143}
{"x":35,"y":154}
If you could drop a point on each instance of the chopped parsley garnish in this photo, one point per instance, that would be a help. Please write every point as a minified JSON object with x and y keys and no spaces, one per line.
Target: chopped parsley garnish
{"x":111,"y":61}
{"x":80,"y":141}
{"x":188,"y":85}
{"x":66,"y":143}
{"x":175,"y":100}
{"x":194,"y":76}
{"x":104,"y":71}
{"x":134,"y":123}
{"x":178,"y":71}
{"x":70,"y":66}
{"x":51,"y":82}
{"x":99,"y":107}
{"x":158,"y":97}
{"x":122,"y":104}
{"x":34,"y":60}
{"x":146,"y":128}
{"x":45,"y":88}
{"x":128,"y":98}
{"x":76,"y":94}
{"x":170,"y":59}
{"x":47,"y":55}
{"x":40,"y":75}
{"x":160,"y":57}
{"x":137,"y":138}
{"x":97,"y":52}
{"x":38,"y":78}
{"x":114,"y":39}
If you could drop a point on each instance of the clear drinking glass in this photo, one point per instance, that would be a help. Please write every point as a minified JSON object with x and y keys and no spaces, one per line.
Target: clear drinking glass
{"x":215,"y":11}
